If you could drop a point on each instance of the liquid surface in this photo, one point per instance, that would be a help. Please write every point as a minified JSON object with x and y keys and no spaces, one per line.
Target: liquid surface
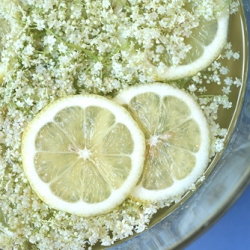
{"x":227,"y":118}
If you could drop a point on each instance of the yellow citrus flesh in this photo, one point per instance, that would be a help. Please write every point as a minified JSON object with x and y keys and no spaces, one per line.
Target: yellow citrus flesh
{"x":177,"y":137}
{"x":83,"y":154}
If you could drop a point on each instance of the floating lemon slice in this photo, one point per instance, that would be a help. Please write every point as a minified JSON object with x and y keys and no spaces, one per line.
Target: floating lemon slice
{"x":83,"y":154}
{"x":207,"y":41}
{"x":177,"y":137}
{"x":200,"y":48}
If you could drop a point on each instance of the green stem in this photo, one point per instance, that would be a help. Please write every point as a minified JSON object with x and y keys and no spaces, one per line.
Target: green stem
{"x":74,"y":46}
{"x":206,"y":96}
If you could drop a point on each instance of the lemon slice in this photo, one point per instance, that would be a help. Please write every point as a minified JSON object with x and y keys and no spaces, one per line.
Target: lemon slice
{"x":177,"y":137}
{"x":83,"y":154}
{"x":199,"y":50}
{"x":207,"y":41}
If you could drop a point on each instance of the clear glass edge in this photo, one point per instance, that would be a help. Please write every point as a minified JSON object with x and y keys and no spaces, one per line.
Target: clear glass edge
{"x":189,"y":221}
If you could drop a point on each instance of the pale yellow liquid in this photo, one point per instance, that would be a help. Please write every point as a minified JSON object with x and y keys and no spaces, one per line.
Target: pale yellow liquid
{"x":227,"y":118}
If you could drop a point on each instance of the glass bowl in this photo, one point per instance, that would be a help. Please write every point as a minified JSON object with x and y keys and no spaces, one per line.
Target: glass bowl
{"x":221,"y":189}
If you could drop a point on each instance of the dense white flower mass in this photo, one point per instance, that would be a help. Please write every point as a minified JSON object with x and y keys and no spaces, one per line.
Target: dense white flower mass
{"x":61,"y":47}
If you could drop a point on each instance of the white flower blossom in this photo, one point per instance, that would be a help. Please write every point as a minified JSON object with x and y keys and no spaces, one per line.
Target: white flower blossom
{"x":228,"y":81}
{"x":98,"y":66}
{"x":62,"y":48}
{"x":224,"y":70}
{"x":49,"y":40}
{"x":226,"y":90}
{"x":237,"y":82}
{"x":192,"y":88}
{"x":236,"y":56}
{"x":29,"y":50}
{"x":218,"y":145}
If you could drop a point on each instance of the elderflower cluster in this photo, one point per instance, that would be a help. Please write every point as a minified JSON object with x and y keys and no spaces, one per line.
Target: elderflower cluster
{"x":55,"y":48}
